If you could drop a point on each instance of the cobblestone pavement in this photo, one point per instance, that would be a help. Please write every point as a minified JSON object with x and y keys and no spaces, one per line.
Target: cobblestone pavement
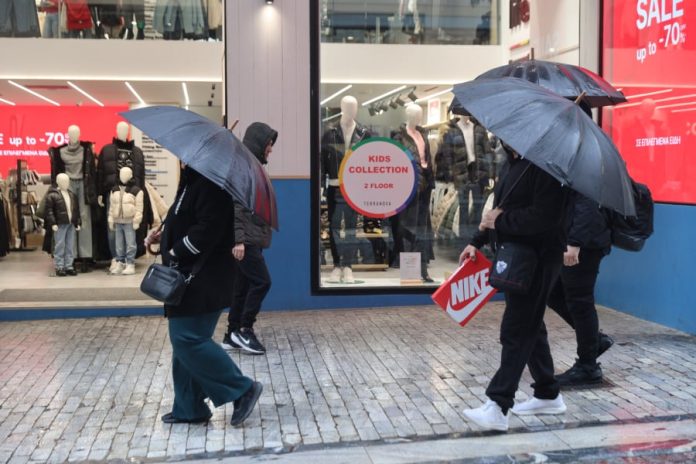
{"x":94,"y":389}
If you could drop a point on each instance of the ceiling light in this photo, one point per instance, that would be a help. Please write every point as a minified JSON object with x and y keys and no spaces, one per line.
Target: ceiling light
{"x":423,"y":99}
{"x":329,"y":98}
{"x":399,"y":101}
{"x":19,"y":86}
{"x":186,"y":95}
{"x":412,"y":95}
{"x":85,"y":94}
{"x":628,"y":97}
{"x":371,"y":110}
{"x":391,"y":92}
{"x":383,"y":106}
{"x":393,"y":104}
{"x":130,"y":87}
{"x":675,"y":105}
{"x":269,"y":2}
{"x":684,"y":110}
{"x":7,"y":102}
{"x":331,"y":117}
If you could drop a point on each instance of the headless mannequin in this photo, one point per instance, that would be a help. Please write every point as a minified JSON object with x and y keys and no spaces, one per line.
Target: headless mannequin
{"x":63,"y":215}
{"x":63,"y":182}
{"x":349,"y":109}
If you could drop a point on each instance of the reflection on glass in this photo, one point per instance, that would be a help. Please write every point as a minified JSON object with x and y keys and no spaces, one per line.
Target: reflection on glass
{"x":410,"y":21}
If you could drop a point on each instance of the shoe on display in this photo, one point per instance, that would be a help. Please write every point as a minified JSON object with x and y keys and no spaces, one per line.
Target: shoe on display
{"x":60,"y":273}
{"x":113,"y":266}
{"x":129,"y":269}
{"x":580,"y":374}
{"x":536,"y":405}
{"x":605,"y":342}
{"x":245,"y":404}
{"x":246,"y":339}
{"x":118,"y":269}
{"x":71,"y":272}
{"x":227,"y":342}
{"x":348,"y":276}
{"x":489,"y":416}
{"x":335,"y":275}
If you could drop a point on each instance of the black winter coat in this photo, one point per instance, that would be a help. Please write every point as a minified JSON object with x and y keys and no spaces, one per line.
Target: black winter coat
{"x":587,"y":224}
{"x":115,"y":156}
{"x":200,"y":222}
{"x":533,"y":213}
{"x":452,"y":162}
{"x":56,"y":211}
{"x":89,"y":170}
{"x":333,"y":147}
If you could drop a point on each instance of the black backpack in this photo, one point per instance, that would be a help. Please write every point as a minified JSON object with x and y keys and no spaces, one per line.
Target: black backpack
{"x":631,"y":232}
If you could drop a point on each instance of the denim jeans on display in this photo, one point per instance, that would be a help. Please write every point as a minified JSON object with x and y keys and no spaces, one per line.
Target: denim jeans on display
{"x":51,"y":26}
{"x":125,"y":243}
{"x":64,"y":248}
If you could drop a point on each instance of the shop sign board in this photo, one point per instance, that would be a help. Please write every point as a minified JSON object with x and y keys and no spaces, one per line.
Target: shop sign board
{"x":378,"y":177}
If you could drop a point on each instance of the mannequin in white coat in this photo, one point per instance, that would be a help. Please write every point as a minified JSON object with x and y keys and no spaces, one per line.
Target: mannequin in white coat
{"x":125,"y":216}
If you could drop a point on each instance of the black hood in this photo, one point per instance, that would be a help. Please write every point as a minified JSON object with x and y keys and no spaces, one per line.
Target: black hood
{"x":257,"y":137}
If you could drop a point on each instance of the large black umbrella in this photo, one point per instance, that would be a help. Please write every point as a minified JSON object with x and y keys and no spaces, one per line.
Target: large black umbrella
{"x":553,"y":133}
{"x":213,"y":151}
{"x":563,"y":79}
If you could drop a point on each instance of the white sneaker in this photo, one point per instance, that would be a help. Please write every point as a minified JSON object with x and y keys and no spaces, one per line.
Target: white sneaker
{"x":538,"y":406}
{"x":489,"y":416}
{"x":129,"y":270}
{"x":113,"y":266}
{"x":348,"y":276}
{"x":118,"y":269}
{"x":335,"y":275}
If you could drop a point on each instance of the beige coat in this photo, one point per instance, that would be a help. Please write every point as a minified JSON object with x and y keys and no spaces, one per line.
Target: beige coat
{"x":126,"y":205}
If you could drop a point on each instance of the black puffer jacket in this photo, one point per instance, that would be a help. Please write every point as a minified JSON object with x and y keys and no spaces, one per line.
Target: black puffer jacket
{"x":333,"y":147}
{"x":200,"y":222}
{"x":115,"y":156}
{"x":587,"y":224}
{"x":56,"y":211}
{"x":452,"y":162}
{"x":89,"y":169}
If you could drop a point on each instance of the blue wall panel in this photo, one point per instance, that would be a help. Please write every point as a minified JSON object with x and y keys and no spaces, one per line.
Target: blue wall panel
{"x":658,"y":283}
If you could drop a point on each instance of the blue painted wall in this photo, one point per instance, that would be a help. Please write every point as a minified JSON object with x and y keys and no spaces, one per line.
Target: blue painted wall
{"x":659,"y":283}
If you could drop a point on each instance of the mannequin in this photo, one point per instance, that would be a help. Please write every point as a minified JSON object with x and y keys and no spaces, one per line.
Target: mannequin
{"x":125,"y":216}
{"x":76,"y":159}
{"x":334,"y":143}
{"x":114,"y":156}
{"x":413,"y":223}
{"x":62,"y":215}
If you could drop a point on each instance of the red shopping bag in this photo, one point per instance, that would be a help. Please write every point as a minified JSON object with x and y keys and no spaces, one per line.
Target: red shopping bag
{"x":466,"y":291}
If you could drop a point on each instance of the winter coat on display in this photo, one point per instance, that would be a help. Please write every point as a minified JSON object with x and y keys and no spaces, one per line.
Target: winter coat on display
{"x":89,"y":169}
{"x":126,"y":205}
{"x":115,"y":156}
{"x":158,"y":206}
{"x":587,"y":224}
{"x":452,"y":160}
{"x":200,"y":223}
{"x":56,"y":210}
{"x":333,"y":147}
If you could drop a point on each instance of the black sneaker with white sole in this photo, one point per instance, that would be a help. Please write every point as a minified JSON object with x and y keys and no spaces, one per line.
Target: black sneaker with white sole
{"x":247,"y":341}
{"x":228,"y":344}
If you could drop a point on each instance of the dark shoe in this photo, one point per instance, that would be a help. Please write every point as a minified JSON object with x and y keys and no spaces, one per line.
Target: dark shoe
{"x":580,"y":374}
{"x":60,"y":273}
{"x":247,"y":341}
{"x":245,"y":404}
{"x":170,"y":419}
{"x":228,"y":344}
{"x":71,"y":272}
{"x":605,"y":342}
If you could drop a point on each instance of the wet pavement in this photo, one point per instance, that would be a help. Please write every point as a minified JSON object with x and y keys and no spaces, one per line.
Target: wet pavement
{"x":337,"y":381}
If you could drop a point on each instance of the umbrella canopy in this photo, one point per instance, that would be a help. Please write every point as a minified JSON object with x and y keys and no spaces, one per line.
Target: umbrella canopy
{"x":563,"y":79}
{"x":213,"y":151}
{"x":553,"y":133}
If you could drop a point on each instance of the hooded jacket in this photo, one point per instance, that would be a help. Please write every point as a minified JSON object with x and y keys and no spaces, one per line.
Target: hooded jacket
{"x":115,"y":156}
{"x":587,"y":224}
{"x":89,"y":169}
{"x":452,"y":160}
{"x":56,"y":211}
{"x":249,"y":228}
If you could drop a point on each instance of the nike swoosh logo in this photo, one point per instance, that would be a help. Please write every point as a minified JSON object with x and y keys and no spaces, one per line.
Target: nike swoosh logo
{"x":245,"y":340}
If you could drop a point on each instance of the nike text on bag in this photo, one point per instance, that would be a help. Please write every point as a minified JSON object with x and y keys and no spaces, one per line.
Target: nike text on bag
{"x":513,"y":267}
{"x":164,"y":284}
{"x":630,"y":233}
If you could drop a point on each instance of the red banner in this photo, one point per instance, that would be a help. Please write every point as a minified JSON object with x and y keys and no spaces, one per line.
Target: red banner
{"x":466,"y":291}
{"x":26,"y":132}
{"x":650,"y":53}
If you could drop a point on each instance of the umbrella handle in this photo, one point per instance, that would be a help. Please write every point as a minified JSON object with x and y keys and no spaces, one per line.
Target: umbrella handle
{"x":580,"y":97}
{"x":234,"y":124}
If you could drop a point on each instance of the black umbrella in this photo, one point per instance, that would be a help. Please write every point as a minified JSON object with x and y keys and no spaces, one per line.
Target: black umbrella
{"x":563,"y":79}
{"x":553,"y":133}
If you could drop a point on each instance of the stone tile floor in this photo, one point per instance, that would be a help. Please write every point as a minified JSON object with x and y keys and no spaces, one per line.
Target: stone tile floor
{"x":94,"y":389}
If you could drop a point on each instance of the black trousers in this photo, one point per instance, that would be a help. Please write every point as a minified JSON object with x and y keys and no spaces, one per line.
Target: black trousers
{"x":251,"y":284}
{"x":524,"y":339}
{"x":572,"y":297}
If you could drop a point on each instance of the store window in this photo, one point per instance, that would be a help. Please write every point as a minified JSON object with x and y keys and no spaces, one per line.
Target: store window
{"x":400,"y":181}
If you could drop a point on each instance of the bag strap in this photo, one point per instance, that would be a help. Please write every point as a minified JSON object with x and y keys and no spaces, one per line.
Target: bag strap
{"x":198,"y":265}
{"x":517,"y":181}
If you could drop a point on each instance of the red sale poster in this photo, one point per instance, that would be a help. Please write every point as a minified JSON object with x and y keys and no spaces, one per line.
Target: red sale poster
{"x":26,"y":132}
{"x":649,"y":52}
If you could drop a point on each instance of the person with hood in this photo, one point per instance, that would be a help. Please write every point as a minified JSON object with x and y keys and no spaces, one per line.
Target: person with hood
{"x":251,"y":235}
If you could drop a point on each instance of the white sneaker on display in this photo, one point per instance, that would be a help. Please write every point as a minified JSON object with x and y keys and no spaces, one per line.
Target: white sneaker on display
{"x":118,"y":269}
{"x":348,"y":276}
{"x":538,"y":406}
{"x":489,"y":416}
{"x":129,"y":270}
{"x":113,"y":266}
{"x":335,"y":275}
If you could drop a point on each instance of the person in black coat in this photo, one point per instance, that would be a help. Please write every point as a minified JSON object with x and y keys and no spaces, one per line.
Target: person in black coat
{"x":200,"y":226}
{"x":589,"y":240}
{"x":532,"y":214}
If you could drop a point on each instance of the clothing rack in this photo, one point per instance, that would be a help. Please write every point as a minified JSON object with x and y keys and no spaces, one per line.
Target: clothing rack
{"x":22,"y":208}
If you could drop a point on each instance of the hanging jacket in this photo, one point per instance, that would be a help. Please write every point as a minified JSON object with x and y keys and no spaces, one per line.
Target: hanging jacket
{"x":452,"y":160}
{"x":115,"y":156}
{"x":89,"y":169}
{"x":158,"y":206}
{"x":56,"y":211}
{"x":126,"y":205}
{"x":333,"y":147}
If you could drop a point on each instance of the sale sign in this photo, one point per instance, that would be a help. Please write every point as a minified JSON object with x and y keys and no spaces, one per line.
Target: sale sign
{"x":650,"y":54}
{"x":26,"y":132}
{"x":378,"y":177}
{"x":466,"y":291}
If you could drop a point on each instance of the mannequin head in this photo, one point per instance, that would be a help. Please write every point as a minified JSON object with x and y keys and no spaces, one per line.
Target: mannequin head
{"x":414,"y":115}
{"x":122,"y":131}
{"x":73,"y":135}
{"x":63,"y":181}
{"x":125,"y":175}
{"x":349,"y":108}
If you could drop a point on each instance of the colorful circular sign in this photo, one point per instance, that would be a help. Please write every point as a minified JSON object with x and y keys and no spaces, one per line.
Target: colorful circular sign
{"x":378,"y":177}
